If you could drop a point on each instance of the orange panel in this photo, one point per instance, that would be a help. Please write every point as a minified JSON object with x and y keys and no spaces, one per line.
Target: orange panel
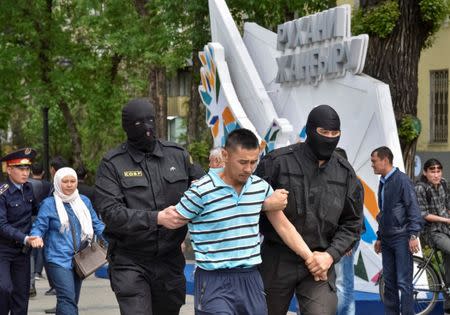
{"x":203,"y":59}
{"x":215,"y":129}
{"x":262,"y":146}
{"x":227,"y":116}
{"x":204,"y":82}
{"x":370,"y":199}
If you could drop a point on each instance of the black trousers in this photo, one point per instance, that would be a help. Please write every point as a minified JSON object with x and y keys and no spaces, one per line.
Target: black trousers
{"x":14,"y":282}
{"x":155,"y":287}
{"x":285,"y":273}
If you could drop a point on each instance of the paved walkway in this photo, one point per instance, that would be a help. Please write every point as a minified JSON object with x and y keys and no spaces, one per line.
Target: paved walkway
{"x":96,"y":298}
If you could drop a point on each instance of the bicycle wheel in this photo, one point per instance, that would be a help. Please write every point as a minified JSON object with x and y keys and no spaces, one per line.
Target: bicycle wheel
{"x":426,"y":287}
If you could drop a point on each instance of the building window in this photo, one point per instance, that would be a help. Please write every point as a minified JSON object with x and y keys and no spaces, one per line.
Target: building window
{"x":439,"y":105}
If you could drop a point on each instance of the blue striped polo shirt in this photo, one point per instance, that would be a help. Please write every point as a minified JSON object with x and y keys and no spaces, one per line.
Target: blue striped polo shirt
{"x":224,"y":226}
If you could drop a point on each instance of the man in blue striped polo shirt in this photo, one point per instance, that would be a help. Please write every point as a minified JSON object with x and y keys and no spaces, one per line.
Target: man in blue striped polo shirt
{"x":223,"y":209}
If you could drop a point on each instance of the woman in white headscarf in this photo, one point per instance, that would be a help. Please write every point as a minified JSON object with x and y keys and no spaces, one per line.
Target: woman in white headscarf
{"x":57,"y":215}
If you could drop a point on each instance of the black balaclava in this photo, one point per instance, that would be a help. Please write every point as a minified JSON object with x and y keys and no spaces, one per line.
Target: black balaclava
{"x":138,"y":121}
{"x":325,"y":117}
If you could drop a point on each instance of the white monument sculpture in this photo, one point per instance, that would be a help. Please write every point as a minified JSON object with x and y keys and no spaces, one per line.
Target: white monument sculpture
{"x":269,"y":82}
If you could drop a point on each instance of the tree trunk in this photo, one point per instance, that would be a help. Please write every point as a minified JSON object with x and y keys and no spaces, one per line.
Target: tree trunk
{"x":158,"y":94}
{"x":395,"y":60}
{"x":43,"y":29}
{"x":73,"y":132}
{"x":157,"y":83}
{"x":115,"y":62}
{"x":409,"y":152}
{"x":193,"y":123}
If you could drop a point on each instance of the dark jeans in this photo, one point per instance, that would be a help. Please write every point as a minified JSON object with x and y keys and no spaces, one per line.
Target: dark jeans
{"x":14,"y":282}
{"x":397,"y":274}
{"x":152,"y":287}
{"x":285,"y":273}
{"x":67,"y":285}
{"x":442,"y":242}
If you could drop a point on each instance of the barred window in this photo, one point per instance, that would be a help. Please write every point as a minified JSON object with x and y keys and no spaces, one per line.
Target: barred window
{"x":439,"y":105}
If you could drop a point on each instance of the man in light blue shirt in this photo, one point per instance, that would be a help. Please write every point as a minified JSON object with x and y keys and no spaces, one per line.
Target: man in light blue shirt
{"x":223,"y":209}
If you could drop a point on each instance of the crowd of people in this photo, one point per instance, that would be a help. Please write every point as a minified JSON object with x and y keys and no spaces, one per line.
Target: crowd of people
{"x":262,"y":230}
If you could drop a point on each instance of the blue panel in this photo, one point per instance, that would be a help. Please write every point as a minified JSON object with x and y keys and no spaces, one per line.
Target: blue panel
{"x":369,"y":236}
{"x":206,"y":97}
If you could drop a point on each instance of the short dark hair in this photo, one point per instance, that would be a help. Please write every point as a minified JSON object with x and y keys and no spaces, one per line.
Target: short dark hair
{"x":36,"y":168}
{"x":384,"y":152}
{"x":81,"y":172}
{"x":242,"y":137}
{"x":58,"y":162}
{"x":432,"y":162}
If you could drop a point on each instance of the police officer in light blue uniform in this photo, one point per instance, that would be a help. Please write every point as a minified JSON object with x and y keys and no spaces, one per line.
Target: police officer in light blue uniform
{"x":16,"y":207}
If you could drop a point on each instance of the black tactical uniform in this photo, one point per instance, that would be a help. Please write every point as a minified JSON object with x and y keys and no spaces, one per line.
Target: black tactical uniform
{"x":325,"y":206}
{"x":146,"y":262}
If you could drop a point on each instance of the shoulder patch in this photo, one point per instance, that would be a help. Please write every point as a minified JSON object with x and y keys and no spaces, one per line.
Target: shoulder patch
{"x":3,"y":188}
{"x":171,"y":144}
{"x":116,"y":151}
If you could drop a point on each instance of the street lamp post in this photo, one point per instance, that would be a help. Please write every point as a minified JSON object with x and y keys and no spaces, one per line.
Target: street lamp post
{"x":45,"y":142}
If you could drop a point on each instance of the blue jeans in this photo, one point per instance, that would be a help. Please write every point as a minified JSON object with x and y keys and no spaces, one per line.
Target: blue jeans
{"x":397,"y":274}
{"x":345,"y":279}
{"x":67,"y":285}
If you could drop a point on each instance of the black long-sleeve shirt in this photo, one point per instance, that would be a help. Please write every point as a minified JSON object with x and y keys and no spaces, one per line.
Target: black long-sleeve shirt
{"x":324,"y":203}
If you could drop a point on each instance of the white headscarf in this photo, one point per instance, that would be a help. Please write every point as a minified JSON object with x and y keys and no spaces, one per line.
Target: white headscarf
{"x":79,"y":208}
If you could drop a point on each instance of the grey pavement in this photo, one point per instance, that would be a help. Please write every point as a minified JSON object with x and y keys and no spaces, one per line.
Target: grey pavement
{"x":96,"y":298}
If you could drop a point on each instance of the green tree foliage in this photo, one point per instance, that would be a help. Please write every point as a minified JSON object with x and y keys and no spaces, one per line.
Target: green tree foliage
{"x":379,"y":20}
{"x":399,"y":30}
{"x":84,"y":59}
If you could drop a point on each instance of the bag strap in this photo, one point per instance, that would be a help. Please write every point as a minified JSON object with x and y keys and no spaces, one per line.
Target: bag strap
{"x":72,"y":229}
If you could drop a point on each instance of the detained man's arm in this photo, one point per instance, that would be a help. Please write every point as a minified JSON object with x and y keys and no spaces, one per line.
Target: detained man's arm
{"x":189,"y":207}
{"x":288,"y":233}
{"x":171,"y":219}
{"x":291,"y":237}
{"x":276,"y":201}
{"x":273,"y":207}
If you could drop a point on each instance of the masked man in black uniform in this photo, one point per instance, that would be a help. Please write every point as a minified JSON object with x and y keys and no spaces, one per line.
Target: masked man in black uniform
{"x":324,"y":205}
{"x":134,"y":182}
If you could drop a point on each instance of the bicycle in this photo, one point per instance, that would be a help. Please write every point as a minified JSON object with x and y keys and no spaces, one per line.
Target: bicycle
{"x":428,"y":282}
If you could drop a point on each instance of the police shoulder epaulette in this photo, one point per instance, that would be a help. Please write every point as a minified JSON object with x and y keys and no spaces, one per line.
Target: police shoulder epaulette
{"x":171,"y":144}
{"x":116,"y":151}
{"x":3,"y":188}
{"x":282,"y":151}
